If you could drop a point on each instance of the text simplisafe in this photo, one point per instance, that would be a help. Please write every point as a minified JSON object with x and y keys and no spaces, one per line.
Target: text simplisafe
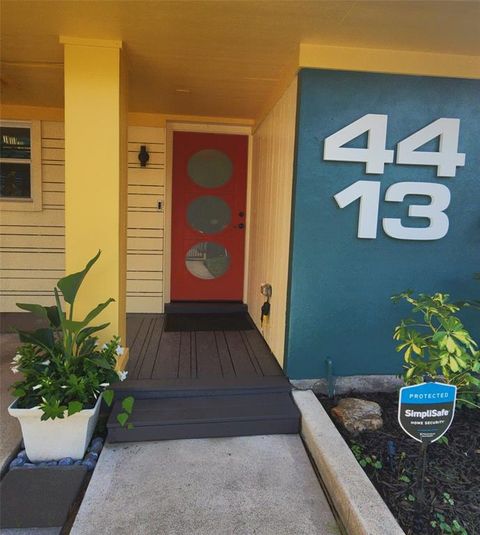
{"x":426,"y":414}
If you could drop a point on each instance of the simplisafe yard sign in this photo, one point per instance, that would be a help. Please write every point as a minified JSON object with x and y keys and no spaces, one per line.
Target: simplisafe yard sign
{"x":425,"y":411}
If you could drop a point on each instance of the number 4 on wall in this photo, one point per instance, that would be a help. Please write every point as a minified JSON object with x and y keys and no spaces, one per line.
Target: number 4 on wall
{"x":375,"y":155}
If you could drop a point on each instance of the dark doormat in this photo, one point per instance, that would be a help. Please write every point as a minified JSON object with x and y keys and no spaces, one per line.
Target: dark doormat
{"x":208,"y":322}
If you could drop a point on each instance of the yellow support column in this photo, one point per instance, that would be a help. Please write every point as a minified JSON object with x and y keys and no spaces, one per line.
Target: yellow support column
{"x":95,"y":175}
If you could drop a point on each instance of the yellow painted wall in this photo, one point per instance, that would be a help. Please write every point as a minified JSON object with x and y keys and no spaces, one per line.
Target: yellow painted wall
{"x":269,"y":217}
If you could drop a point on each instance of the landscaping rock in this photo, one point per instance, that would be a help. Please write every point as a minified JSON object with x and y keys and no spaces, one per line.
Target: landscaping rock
{"x":18,"y":461}
{"x":358,"y":415}
{"x":89,"y":464}
{"x":22,"y":454}
{"x":97,"y":445}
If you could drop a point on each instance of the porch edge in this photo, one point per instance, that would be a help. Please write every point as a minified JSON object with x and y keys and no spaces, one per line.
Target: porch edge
{"x":361,"y":508}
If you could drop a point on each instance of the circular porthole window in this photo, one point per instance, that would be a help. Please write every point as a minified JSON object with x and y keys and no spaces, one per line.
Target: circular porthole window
{"x":207,"y":260}
{"x":210,"y":168}
{"x":209,"y":214}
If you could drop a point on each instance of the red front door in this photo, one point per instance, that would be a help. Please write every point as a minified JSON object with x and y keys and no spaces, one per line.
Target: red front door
{"x":208,"y":216}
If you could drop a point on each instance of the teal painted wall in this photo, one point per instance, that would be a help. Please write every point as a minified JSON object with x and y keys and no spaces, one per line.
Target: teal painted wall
{"x":340,"y":285}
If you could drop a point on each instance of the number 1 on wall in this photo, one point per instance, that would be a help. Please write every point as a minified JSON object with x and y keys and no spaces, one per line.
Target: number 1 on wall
{"x":369,"y":194}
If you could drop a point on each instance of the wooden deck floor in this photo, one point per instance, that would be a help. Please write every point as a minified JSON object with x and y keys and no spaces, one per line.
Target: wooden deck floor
{"x":209,"y":355}
{"x":198,"y":384}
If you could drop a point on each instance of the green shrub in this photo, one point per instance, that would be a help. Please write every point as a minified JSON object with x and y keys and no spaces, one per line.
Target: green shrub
{"x":438,"y":346}
{"x":63,"y":367}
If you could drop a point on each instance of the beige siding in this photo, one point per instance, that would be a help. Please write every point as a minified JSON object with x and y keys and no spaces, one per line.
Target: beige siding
{"x":145,"y":233}
{"x":32,"y":244}
{"x":270,"y":210}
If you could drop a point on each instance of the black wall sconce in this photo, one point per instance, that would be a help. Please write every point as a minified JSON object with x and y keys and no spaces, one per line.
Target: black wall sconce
{"x":143,"y":156}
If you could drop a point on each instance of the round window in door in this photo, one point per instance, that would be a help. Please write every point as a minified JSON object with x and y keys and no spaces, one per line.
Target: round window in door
{"x":209,"y":214}
{"x":210,"y":168}
{"x":207,"y":260}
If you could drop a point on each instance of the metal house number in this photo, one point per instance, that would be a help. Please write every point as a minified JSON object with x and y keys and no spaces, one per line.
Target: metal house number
{"x":375,"y":156}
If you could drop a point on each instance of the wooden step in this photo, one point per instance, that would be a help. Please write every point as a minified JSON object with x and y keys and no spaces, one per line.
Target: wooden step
{"x":207,"y":416}
{"x":175,"y":388}
{"x":209,"y":307}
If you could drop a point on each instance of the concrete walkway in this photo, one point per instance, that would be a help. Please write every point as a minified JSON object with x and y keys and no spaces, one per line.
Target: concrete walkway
{"x":262,"y":485}
{"x":10,"y":435}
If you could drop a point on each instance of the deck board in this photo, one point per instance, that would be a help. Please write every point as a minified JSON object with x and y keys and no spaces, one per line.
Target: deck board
{"x":139,"y":339}
{"x":185,"y":356}
{"x":207,"y":355}
{"x":204,"y":355}
{"x":240,"y":357}
{"x":150,"y":356}
{"x":262,"y":353}
{"x":224,"y":355}
{"x":168,"y":351}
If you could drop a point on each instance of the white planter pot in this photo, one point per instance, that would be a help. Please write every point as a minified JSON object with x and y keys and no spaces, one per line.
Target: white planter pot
{"x":55,"y":439}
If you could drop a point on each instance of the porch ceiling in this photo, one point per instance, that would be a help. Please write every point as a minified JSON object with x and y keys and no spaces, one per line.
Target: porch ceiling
{"x":216,"y":58}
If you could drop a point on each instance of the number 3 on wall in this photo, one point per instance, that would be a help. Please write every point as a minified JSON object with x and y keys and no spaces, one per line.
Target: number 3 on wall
{"x":439,"y":201}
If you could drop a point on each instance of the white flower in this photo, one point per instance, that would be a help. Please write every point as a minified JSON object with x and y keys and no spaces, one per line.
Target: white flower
{"x":46,"y":362}
{"x":105,"y":384}
{"x":104,"y":346}
{"x":63,"y":386}
{"x":17,"y":358}
{"x":122,"y":375}
{"x":119,"y":351}
{"x":14,"y":369}
{"x":36,"y":387}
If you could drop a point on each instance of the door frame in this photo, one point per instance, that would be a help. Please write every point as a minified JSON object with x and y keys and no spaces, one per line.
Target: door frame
{"x":206,"y":128}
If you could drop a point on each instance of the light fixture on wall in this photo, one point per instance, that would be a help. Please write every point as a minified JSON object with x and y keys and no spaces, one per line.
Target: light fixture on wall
{"x":143,"y":156}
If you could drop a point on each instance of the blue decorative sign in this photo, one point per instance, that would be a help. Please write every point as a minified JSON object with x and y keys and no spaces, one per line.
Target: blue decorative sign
{"x":425,"y":411}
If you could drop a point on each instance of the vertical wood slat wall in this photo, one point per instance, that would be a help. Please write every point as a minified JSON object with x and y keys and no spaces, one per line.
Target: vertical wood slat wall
{"x":32,"y":244}
{"x":270,"y":213}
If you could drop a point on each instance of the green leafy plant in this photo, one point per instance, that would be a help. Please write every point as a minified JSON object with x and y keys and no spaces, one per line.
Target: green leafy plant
{"x":64,"y":369}
{"x":448,"y":499}
{"x":438,"y":346}
{"x":363,"y":459}
{"x":441,"y":523}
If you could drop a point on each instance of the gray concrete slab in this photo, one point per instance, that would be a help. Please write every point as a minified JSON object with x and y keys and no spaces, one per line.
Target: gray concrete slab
{"x":263,"y":485}
{"x":10,"y":435}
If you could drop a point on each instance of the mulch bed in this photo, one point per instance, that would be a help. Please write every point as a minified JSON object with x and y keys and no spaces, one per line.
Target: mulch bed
{"x":452,"y":482}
